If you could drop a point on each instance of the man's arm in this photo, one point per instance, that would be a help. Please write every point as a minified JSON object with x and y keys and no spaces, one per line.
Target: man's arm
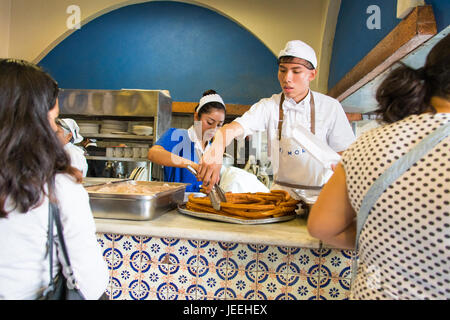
{"x":211,"y":162}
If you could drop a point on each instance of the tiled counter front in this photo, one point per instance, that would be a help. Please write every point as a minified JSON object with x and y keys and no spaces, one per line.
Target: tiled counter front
{"x":152,"y":268}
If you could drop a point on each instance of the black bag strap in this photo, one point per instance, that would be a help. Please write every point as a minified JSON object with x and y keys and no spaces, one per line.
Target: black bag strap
{"x":50,"y":249}
{"x":57,"y":219}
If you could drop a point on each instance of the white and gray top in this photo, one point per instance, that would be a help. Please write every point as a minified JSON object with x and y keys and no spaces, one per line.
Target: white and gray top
{"x":404,"y":247}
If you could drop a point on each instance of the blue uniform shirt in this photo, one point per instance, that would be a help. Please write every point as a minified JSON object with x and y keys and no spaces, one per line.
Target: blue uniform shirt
{"x":178,"y":142}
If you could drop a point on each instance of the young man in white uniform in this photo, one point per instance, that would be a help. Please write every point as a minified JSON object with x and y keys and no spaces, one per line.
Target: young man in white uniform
{"x":294,"y":167}
{"x":70,"y":136}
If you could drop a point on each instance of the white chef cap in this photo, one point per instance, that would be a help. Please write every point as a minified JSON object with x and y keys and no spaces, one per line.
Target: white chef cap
{"x":299,"y":49}
{"x":74,"y":129}
{"x":210,"y":98}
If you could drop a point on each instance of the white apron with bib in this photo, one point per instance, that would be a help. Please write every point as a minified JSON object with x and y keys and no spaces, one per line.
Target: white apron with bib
{"x":299,"y":172}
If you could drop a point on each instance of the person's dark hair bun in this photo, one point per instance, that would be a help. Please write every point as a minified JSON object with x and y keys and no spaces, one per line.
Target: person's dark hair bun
{"x":208,"y":92}
{"x":407,"y":91}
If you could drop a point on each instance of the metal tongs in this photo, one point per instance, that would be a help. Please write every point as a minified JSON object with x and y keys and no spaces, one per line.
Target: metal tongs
{"x":217,"y":195}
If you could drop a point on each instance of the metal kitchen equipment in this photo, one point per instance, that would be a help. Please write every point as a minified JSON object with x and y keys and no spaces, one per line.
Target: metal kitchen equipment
{"x":237,"y":220}
{"x":154,"y":106}
{"x":136,"y":206}
{"x":217,"y":195}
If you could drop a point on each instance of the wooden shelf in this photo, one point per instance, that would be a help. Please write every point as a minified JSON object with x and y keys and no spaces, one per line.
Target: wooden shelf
{"x":117,"y":136}
{"x":412,"y":32}
{"x":189,"y":108}
{"x":117,"y":159}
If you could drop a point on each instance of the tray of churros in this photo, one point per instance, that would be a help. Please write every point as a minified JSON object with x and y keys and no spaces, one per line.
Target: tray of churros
{"x":243,"y":208}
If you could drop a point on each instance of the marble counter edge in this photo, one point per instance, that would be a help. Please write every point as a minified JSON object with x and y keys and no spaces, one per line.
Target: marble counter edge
{"x":291,"y":233}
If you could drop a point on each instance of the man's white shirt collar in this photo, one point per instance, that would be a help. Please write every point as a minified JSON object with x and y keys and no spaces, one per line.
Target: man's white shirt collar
{"x":290,"y":104}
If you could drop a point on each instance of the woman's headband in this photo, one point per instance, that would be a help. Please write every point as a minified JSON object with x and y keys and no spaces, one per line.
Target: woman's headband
{"x":210,"y":98}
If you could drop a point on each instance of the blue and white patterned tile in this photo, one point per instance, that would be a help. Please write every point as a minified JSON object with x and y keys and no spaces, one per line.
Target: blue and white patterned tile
{"x":119,"y":293}
{"x":183,"y":279}
{"x":197,"y":292}
{"x":303,"y":289}
{"x":287,"y":275}
{"x":334,"y":289}
{"x":123,"y":274}
{"x":241,"y":255}
{"x":113,"y":237}
{"x":230,"y":294}
{"x":240,"y":284}
{"x":256,"y":295}
{"x":104,"y":241}
{"x":304,"y":260}
{"x":153,"y":278}
{"x":141,"y":242}
{"x":184,"y":250}
{"x":211,"y":283}
{"x":270,"y":287}
{"x":127,"y":244}
{"x":338,"y":262}
{"x":155,"y":247}
{"x":211,"y":252}
{"x":272,"y":257}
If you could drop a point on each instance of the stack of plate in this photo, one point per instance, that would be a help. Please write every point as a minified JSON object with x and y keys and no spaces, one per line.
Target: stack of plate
{"x":139,"y":174}
{"x":142,"y":130}
{"x":113,"y":126}
{"x":87,"y":128}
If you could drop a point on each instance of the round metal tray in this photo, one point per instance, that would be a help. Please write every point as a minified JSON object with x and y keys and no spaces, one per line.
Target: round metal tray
{"x":230,"y":219}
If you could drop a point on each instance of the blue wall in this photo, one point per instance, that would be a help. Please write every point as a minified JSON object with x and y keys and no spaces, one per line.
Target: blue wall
{"x":353,"y":40}
{"x":176,"y":46}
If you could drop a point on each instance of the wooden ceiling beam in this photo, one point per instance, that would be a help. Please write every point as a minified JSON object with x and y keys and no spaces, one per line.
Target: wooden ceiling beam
{"x":410,"y":33}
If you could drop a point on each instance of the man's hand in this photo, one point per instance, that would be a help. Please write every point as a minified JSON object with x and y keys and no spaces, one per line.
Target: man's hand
{"x":209,"y":168}
{"x":211,"y":162}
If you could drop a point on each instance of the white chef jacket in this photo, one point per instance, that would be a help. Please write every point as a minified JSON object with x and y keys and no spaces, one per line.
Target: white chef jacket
{"x":77,"y":158}
{"x":331,"y":123}
{"x":24,"y":264}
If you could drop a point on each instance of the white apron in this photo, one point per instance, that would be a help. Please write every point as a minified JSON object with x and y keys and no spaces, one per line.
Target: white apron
{"x":299,"y":172}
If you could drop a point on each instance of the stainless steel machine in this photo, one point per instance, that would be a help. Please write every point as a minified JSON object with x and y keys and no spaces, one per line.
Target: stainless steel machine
{"x":149,"y":107}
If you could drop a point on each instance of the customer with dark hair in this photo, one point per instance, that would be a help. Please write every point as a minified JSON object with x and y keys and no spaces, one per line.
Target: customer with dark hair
{"x":34,"y":170}
{"x":405,"y":240}
{"x":178,"y":148}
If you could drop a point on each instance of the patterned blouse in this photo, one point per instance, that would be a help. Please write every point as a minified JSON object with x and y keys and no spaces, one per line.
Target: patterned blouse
{"x":404,"y":247}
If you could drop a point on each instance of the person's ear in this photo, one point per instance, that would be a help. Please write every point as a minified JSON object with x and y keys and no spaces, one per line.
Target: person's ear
{"x":68,"y":137}
{"x":312,"y":75}
{"x":196,"y":117}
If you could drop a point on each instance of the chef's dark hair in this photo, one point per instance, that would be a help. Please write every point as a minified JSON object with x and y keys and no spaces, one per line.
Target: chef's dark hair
{"x":30,"y":152}
{"x":207,"y":108}
{"x":287,"y":59}
{"x":408,"y":91}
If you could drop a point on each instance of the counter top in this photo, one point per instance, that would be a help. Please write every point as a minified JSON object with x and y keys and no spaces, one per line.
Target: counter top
{"x":173,"y":224}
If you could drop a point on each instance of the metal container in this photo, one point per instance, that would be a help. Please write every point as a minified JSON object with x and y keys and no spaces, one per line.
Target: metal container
{"x":136,"y":206}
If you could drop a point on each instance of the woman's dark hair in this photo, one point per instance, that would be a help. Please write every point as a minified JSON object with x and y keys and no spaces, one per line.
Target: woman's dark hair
{"x":207,"y":108}
{"x":30,"y":152}
{"x":407,"y":91}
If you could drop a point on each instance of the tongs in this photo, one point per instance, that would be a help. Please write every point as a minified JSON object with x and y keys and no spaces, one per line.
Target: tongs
{"x":217,"y":195}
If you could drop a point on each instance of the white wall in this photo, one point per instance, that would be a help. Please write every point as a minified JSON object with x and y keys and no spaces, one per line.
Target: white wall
{"x":5,"y":12}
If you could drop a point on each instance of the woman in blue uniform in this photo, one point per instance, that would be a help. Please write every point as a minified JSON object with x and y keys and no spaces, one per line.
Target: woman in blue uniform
{"x":178,"y":148}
